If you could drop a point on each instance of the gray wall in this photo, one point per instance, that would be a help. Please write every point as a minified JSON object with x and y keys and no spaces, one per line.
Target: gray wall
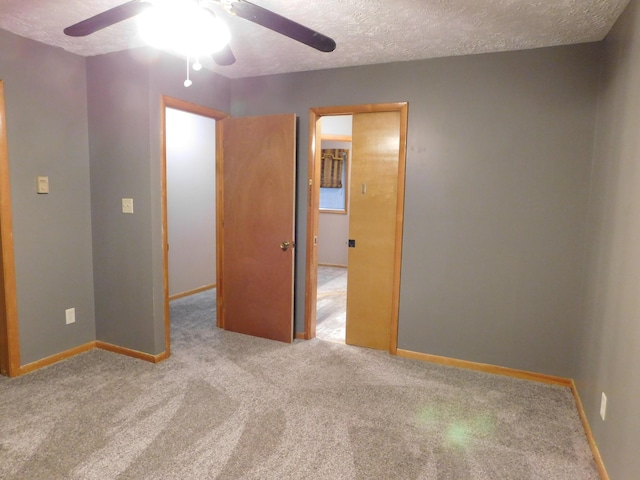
{"x":124,"y":91}
{"x":498,"y":163}
{"x":120,"y":167}
{"x":191,"y":200}
{"x":497,"y":185}
{"x":609,"y":338}
{"x":46,"y":103}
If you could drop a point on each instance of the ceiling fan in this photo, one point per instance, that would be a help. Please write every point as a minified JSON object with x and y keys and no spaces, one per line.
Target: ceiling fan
{"x":240,"y":8}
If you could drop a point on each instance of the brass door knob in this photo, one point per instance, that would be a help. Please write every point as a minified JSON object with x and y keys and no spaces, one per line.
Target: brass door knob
{"x":285,"y":246}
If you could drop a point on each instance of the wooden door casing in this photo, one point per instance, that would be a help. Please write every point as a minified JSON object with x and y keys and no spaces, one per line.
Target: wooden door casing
{"x":9,"y":337}
{"x":313,"y":197}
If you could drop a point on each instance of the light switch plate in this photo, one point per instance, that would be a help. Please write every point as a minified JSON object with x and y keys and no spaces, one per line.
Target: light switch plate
{"x":603,"y":406}
{"x":43,"y":184}
{"x":127,"y":205}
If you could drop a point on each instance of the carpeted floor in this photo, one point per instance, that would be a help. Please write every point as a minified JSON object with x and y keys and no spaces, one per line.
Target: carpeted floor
{"x":229,"y":406}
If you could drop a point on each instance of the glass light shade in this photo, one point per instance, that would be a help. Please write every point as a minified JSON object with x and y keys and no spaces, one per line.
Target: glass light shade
{"x":183,"y":27}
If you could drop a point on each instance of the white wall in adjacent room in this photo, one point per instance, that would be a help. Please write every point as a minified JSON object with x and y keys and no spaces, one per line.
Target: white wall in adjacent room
{"x":191,"y":195}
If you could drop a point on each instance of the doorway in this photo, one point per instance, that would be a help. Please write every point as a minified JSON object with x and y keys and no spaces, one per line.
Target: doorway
{"x":191,"y":202}
{"x":375,"y":225}
{"x":248,"y":272}
{"x":333,"y":227}
{"x":190,"y":135}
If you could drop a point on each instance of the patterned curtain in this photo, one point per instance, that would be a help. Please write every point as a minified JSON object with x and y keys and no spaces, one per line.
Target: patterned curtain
{"x":333,"y":160}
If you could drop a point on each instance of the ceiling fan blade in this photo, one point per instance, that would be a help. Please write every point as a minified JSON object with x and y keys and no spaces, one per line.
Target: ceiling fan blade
{"x":224,"y":57}
{"x":278,"y":23}
{"x":107,"y":18}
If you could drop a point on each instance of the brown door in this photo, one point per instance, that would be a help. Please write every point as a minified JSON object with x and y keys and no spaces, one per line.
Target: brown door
{"x":258,"y":208}
{"x":372,"y":226}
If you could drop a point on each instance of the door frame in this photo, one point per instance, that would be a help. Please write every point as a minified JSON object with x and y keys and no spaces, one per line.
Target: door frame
{"x":9,"y":338}
{"x":313,"y":200}
{"x":171,"y":102}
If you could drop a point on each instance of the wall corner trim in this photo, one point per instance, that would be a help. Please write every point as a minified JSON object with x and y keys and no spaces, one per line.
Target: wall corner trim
{"x":523,"y":375}
{"x":587,"y":430}
{"x":147,"y":357}
{"x":45,"y":362}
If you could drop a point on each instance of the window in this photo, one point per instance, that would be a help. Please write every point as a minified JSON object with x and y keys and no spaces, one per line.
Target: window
{"x":331,"y":170}
{"x":334,"y":184}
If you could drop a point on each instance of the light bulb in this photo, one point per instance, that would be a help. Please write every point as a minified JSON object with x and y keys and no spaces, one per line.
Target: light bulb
{"x":187,"y":83}
{"x":183,"y":27}
{"x":197,"y":66}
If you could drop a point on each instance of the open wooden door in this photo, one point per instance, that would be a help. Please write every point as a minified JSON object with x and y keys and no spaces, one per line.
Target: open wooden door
{"x":256,"y":261}
{"x":373,"y":229}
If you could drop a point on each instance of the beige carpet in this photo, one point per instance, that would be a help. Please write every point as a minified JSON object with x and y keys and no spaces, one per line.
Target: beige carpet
{"x":228,"y":406}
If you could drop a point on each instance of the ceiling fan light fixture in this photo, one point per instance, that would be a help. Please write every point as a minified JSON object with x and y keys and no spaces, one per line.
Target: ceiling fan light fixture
{"x":183,"y":27}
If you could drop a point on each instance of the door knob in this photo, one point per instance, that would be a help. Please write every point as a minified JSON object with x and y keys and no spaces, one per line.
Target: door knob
{"x":285,"y":246}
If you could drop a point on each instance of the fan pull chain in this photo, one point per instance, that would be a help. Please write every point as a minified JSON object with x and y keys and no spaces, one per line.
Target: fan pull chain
{"x":187,"y":82}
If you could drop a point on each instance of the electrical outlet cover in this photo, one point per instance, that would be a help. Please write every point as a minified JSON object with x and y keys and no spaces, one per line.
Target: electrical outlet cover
{"x":43,"y":184}
{"x":603,"y":406}
{"x":127,"y":205}
{"x":70,"y":315}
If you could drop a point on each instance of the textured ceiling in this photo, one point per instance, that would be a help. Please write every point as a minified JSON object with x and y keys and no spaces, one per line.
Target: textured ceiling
{"x":366,"y":31}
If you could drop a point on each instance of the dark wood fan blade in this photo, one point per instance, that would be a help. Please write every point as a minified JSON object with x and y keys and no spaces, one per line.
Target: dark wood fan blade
{"x":224,"y":57}
{"x":283,"y":25}
{"x":107,"y":18}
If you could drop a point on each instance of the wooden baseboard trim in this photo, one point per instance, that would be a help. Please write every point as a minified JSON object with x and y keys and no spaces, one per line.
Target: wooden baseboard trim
{"x":484,"y":367}
{"x":147,"y":357}
{"x":300,"y":336}
{"x":331,"y":265}
{"x":587,"y":430}
{"x":524,"y":375}
{"x":45,"y":362}
{"x":204,"y":288}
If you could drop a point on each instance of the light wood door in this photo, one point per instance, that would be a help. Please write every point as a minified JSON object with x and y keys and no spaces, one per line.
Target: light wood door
{"x":258,"y":197}
{"x":372,"y":225}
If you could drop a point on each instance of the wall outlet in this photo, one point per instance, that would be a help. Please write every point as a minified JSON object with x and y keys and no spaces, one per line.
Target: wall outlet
{"x":43,"y":184}
{"x":603,"y":406}
{"x":70,"y":314}
{"x":127,"y":205}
